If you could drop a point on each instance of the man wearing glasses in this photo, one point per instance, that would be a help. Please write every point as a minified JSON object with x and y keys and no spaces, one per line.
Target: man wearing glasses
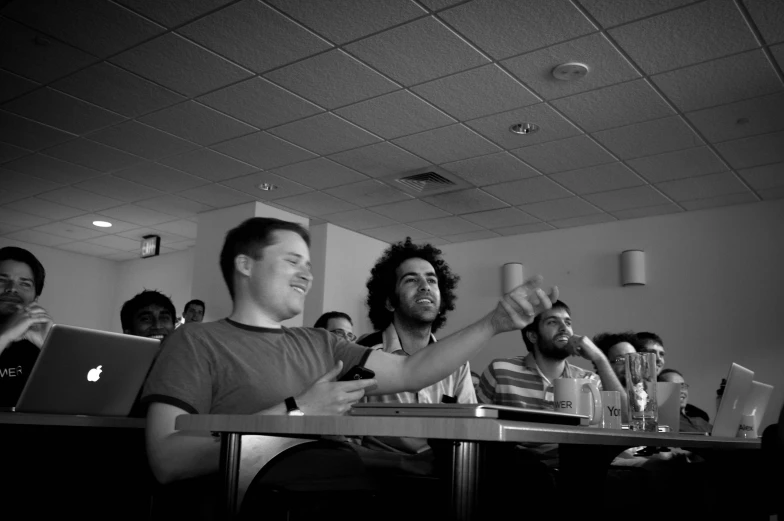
{"x":616,"y":346}
{"x":693,"y":419}
{"x":338,"y":323}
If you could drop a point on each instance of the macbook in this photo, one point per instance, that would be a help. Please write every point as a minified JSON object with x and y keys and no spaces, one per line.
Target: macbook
{"x":463,"y":410}
{"x":757,"y":402}
{"x":733,"y":400}
{"x":84,"y":371}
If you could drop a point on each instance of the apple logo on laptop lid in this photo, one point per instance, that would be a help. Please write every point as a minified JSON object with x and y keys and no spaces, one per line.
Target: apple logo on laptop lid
{"x":94,"y":374}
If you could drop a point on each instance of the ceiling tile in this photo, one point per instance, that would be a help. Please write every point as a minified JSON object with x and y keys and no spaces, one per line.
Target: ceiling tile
{"x":260,"y":103}
{"x":396,"y":233}
{"x":12,"y":85}
{"x":586,"y":220}
{"x":51,"y":169}
{"x":173,"y":12}
{"x":319,"y":173}
{"x":395,"y":115}
{"x":717,"y":82}
{"x":44,"y":208}
{"x":446,"y":226}
{"x":768,"y":17}
{"x":528,"y":191}
{"x":616,"y":12}
{"x":525,"y":228}
{"x":10,"y":152}
{"x":476,"y":93}
{"x":471,"y":236}
{"x":324,"y":134}
{"x":368,"y":193}
{"x":35,"y":56}
{"x":180,"y":246}
{"x":87,"y":201}
{"x":560,"y":209}
{"x":676,"y":165}
{"x":600,"y":178}
{"x":359,"y":219}
{"x":491,"y":169}
{"x":250,"y":185}
{"x":269,"y":38}
{"x":86,"y":248}
{"x":647,"y":211}
{"x":551,"y":126}
{"x":465,"y":201}
{"x":332,"y":79}
{"x":741,"y":119}
{"x":215,"y":195}
{"x":7,"y":196}
{"x":198,"y":123}
{"x":409,"y":211}
{"x":36,"y":237}
{"x":770,"y":194}
{"x":607,"y":66}
{"x":7,"y":228}
{"x":209,"y":164}
{"x":778,"y":54}
{"x":93,"y":155}
{"x":316,"y":203}
{"x":437,"y":241}
{"x":25,"y":184}
{"x":649,"y":138}
{"x":501,"y":218}
{"x":627,"y":198}
{"x":417,"y":52}
{"x":183,"y":228}
{"x":100,"y":28}
{"x":565,"y":154}
{"x":263,"y":150}
{"x":447,"y":144}
{"x":345,"y":20}
{"x":696,"y":33}
{"x":762,"y":177}
{"x":20,"y":219}
{"x":138,"y":215}
{"x":753,"y":151}
{"x":70,"y":231}
{"x":614,"y":106}
{"x":166,"y":238}
{"x":118,"y":243}
{"x":112,"y":186}
{"x":504,"y":28}
{"x":703,"y":187}
{"x":722,"y":200}
{"x":139,"y":139}
{"x":180,"y":65}
{"x":174,"y":205}
{"x":29,"y":134}
{"x":161,"y":177}
{"x":123,"y":255}
{"x":435,"y":5}
{"x":380,"y":160}
{"x":86,"y":221}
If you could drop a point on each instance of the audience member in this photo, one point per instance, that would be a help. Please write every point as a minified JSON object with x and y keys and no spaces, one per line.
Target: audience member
{"x":194,"y":311}
{"x":616,"y":346}
{"x":24,"y":324}
{"x":338,"y":323}
{"x":249,"y":363}
{"x":693,"y":419}
{"x":149,"y":314}
{"x":652,"y":343}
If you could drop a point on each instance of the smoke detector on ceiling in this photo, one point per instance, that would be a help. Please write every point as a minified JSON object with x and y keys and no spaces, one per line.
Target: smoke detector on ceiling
{"x":570,"y":71}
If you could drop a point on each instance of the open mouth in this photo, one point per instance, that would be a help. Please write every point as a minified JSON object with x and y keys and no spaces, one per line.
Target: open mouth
{"x":561,"y":339}
{"x":424,"y":301}
{"x":299,"y":288}
{"x":157,"y":337}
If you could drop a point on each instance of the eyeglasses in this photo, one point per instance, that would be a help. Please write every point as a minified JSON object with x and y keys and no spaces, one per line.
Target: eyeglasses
{"x":345,"y":334}
{"x":684,"y":386}
{"x":621,"y":359}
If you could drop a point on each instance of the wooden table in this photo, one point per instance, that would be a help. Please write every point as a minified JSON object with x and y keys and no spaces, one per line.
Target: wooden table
{"x":577,"y":444}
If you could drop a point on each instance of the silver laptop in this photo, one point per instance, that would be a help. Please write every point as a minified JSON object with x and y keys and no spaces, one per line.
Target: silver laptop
{"x":465,"y":410}
{"x":757,"y":402}
{"x":732,"y":402}
{"x":84,"y":371}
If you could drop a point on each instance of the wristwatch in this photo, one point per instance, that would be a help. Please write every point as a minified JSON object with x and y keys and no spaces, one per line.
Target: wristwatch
{"x":292,"y":409}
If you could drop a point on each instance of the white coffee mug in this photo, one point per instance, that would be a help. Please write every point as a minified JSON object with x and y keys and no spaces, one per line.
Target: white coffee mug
{"x":578,"y":396}
{"x":611,"y":410}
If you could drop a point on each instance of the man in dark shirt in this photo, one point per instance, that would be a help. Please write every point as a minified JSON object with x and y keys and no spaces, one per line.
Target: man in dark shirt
{"x":24,"y":324}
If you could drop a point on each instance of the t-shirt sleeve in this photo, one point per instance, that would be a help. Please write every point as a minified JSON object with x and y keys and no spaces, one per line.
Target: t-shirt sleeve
{"x":464,"y":391}
{"x":352,"y":354}
{"x":486,"y":391}
{"x":182,"y":374}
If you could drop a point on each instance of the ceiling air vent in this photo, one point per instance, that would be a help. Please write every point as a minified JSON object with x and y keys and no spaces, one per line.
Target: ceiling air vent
{"x":425,"y":182}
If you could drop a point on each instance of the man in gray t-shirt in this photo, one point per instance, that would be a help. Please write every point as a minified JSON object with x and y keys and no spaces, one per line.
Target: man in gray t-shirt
{"x":250,"y":364}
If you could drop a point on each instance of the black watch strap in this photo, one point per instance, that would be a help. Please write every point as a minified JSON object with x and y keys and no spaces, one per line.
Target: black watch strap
{"x":291,"y":404}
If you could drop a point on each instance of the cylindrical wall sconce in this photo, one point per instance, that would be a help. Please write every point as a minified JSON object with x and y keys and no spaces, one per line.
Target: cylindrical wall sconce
{"x":512,"y":276}
{"x":633,"y":268}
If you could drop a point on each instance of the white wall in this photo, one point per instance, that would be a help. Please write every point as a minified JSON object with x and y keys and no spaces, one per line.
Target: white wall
{"x":78,"y":289}
{"x":713,"y":293}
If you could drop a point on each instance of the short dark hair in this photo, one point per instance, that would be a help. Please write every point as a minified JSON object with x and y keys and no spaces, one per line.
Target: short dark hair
{"x":668,"y":371}
{"x":534,"y":326}
{"x":604,"y":341}
{"x":323,"y":320}
{"x":250,"y":238}
{"x":646,"y":338}
{"x":194,"y":302}
{"x":148,"y":297}
{"x":383,"y":280}
{"x":25,"y":257}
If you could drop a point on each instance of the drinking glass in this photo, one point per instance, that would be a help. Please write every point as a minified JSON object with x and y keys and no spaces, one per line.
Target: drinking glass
{"x":641,"y":388}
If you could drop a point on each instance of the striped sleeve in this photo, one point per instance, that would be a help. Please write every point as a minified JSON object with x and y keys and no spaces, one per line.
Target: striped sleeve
{"x":485,"y":393}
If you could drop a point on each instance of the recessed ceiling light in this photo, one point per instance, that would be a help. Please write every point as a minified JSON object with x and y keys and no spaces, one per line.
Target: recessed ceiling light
{"x":102,"y":224}
{"x":267,"y":187}
{"x":524,"y":128}
{"x":570,"y":71}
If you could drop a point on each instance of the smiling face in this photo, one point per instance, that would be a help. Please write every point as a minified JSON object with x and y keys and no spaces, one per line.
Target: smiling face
{"x":678,"y":379}
{"x":152,"y":321}
{"x":617,"y":357}
{"x":341,"y":327}
{"x":17,"y":286}
{"x":417,"y":294}
{"x":658,"y":350}
{"x":555,"y":329}
{"x":195,"y":313}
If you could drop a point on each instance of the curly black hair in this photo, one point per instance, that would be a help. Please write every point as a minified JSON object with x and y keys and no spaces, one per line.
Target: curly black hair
{"x":383,"y":281}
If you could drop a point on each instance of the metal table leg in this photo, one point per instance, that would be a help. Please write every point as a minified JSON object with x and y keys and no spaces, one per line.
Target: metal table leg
{"x":465,"y":480}
{"x":231,"y":445}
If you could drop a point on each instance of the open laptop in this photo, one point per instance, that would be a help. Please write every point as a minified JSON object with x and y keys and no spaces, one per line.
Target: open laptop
{"x":465,"y":410}
{"x":84,"y":371}
{"x":733,"y":400}
{"x":757,"y":402}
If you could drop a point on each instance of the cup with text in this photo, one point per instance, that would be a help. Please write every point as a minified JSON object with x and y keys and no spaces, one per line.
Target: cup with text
{"x":611,"y":410}
{"x":578,"y":396}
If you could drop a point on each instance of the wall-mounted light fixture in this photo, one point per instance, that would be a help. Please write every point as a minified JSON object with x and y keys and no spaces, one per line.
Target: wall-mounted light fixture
{"x":512,"y":276}
{"x":633,"y":268}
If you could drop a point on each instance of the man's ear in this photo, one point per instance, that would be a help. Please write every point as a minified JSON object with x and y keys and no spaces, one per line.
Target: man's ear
{"x":532,"y":337}
{"x":243,"y":264}
{"x":389,"y":306}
